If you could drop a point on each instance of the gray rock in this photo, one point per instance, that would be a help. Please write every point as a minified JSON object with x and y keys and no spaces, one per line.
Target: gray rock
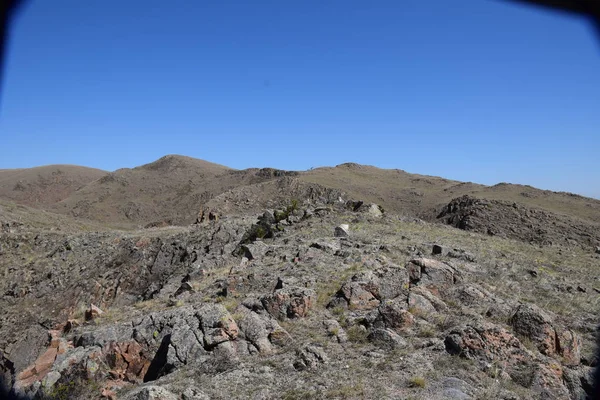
{"x":101,"y":335}
{"x":341,"y":230}
{"x":28,"y":347}
{"x":217,"y":324}
{"x":462,"y":255}
{"x":387,"y":338}
{"x":261,"y":330}
{"x":255,"y":250}
{"x":193,"y":393}
{"x":534,"y":323}
{"x":420,"y":304}
{"x":423,"y":271}
{"x":455,"y":394}
{"x":309,"y":357}
{"x":151,"y":393}
{"x":438,"y":250}
{"x":334,"y":328}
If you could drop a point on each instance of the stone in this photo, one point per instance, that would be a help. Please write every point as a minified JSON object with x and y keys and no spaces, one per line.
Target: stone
{"x":532,"y":322}
{"x":492,"y":345}
{"x":193,"y":393}
{"x":462,"y":255}
{"x":289,"y":302}
{"x":438,"y":250}
{"x":356,"y":297}
{"x":486,"y":342}
{"x":341,"y":230}
{"x":386,"y":338}
{"x":217,"y":324}
{"x":419,"y":305}
{"x":334,"y":329}
{"x":597,"y":249}
{"x":395,"y":317}
{"x":28,"y":347}
{"x":260,"y":329}
{"x":128,"y":361}
{"x":374,"y":210}
{"x":255,"y":250}
{"x":428,"y":272}
{"x":310,"y":357}
{"x":183,"y":288}
{"x":151,"y":393}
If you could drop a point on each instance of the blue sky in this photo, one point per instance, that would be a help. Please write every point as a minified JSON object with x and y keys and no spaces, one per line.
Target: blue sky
{"x":475,"y":90}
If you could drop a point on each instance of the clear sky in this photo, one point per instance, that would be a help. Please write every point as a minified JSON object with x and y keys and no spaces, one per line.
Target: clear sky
{"x":474,"y":90}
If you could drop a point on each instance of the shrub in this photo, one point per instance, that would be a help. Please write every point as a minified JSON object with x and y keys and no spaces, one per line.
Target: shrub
{"x":417,"y":382}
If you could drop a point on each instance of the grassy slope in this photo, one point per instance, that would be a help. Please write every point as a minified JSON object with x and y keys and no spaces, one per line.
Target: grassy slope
{"x":43,"y":186}
{"x":406,"y":193}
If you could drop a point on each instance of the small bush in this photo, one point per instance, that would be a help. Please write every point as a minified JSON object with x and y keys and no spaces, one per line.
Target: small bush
{"x":417,"y":382}
{"x":357,"y":334}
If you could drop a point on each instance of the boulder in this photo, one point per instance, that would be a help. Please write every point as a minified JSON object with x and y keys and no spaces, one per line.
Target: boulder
{"x":535,"y":324}
{"x":438,"y":250}
{"x":289,"y":302}
{"x":386,"y":338}
{"x":494,"y":347}
{"x":486,"y":342}
{"x":355,"y":297}
{"x":217,"y":325}
{"x":334,"y":329}
{"x":128,"y":361}
{"x":255,"y":250}
{"x":341,"y":230}
{"x":428,"y":272}
{"x":151,"y":393}
{"x":367,"y":289}
{"x":28,"y":347}
{"x":393,"y":315}
{"x":374,"y":210}
{"x":310,"y":357}
{"x":259,"y":328}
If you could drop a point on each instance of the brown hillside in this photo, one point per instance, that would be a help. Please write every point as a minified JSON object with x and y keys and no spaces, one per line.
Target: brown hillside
{"x":43,"y":186}
{"x":170,"y":190}
{"x":424,"y":196}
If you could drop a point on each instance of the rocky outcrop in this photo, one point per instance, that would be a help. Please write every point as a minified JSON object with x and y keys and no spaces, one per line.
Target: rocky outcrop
{"x":516,"y":221}
{"x":366,"y":290}
{"x":289,"y":302}
{"x":157,"y":345}
{"x":533,"y":323}
{"x":259,"y":328}
{"x":310,"y":357}
{"x":496,"y":348}
{"x":431,"y":273}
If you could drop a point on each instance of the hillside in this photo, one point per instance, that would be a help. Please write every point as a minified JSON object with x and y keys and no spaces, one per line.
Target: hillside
{"x":421,"y":195}
{"x":43,"y":186}
{"x":406,"y":308}
{"x":171,"y":190}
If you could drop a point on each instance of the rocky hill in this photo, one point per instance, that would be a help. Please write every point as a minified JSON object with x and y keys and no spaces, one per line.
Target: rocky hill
{"x":173,"y":189}
{"x":296,"y":286}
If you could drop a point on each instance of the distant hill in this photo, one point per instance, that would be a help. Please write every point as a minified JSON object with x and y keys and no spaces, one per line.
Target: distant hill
{"x":172,"y":190}
{"x":422,"y":195}
{"x":43,"y":186}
